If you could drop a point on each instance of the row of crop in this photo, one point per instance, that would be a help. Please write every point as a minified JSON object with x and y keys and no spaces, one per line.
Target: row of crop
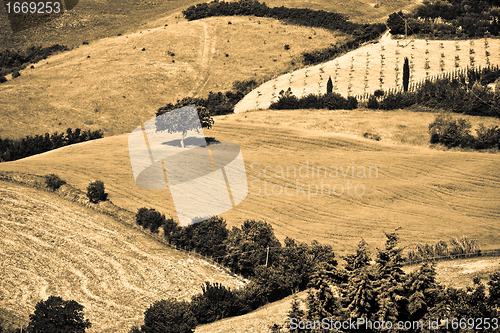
{"x":455,"y":247}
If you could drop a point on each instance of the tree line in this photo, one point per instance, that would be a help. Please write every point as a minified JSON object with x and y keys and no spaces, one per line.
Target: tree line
{"x":300,"y":16}
{"x":11,"y":150}
{"x":462,"y":18}
{"x":380,"y":291}
{"x":14,"y":60}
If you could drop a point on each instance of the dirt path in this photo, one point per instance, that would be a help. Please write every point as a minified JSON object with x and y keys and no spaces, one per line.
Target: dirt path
{"x":209,"y":44}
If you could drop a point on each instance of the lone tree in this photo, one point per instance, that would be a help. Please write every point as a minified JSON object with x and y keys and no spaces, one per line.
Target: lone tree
{"x":329,"y":85}
{"x":406,"y":74}
{"x":96,"y":192}
{"x":182,"y":121}
{"x":56,"y":315}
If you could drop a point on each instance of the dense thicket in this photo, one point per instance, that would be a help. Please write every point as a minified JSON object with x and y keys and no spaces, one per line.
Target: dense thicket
{"x":11,"y":150}
{"x":466,"y":94}
{"x":15,"y":60}
{"x":330,"y":101}
{"x":300,"y":16}
{"x":216,"y":103}
{"x":379,"y":291}
{"x":465,"y":18}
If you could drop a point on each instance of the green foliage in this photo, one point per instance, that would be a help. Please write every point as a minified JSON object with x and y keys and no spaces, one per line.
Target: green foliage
{"x":169,"y":316}
{"x":53,"y":182}
{"x":450,"y":132}
{"x":96,"y":192}
{"x":406,"y":74}
{"x":330,"y":101}
{"x":372,"y":103}
{"x":152,"y":219}
{"x":11,"y":150}
{"x":329,"y":85}
{"x":215,"y":302}
{"x":14,"y":60}
{"x":396,"y":23}
{"x":58,"y":316}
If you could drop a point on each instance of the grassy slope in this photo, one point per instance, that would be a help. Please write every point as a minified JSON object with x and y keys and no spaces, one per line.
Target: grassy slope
{"x":362,"y":68}
{"x":457,"y":274}
{"x":92,"y":20}
{"x":54,"y":247}
{"x":120,"y":86}
{"x":431,"y":194}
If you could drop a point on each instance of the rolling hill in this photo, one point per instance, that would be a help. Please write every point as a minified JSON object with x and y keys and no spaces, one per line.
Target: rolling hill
{"x":51,"y":246}
{"x":431,"y":194}
{"x":378,"y":66}
{"x":117,"y":83}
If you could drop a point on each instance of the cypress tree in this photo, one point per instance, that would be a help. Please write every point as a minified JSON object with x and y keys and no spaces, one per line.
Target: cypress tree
{"x":329,"y":85}
{"x":406,"y":74}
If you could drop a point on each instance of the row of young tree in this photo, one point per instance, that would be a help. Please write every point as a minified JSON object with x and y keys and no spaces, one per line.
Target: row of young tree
{"x":380,"y":291}
{"x":11,"y":150}
{"x":466,"y":18}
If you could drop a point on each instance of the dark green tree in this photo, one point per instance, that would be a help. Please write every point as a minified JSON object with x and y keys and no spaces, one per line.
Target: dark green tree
{"x":329,"y":85}
{"x":96,"y":192}
{"x":396,"y":22}
{"x":406,"y":74}
{"x":56,"y":315}
{"x":216,"y":302}
{"x":169,"y":316}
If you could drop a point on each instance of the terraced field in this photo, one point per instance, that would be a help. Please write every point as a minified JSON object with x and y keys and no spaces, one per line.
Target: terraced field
{"x":50,"y":246}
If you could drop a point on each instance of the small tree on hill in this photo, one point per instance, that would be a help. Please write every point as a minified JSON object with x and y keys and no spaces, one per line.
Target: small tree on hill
{"x":182,"y":122}
{"x":329,"y":85}
{"x":58,"y":316}
{"x":96,"y":193}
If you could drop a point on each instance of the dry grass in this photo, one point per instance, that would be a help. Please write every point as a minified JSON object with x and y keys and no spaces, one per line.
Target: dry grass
{"x":112,"y":84}
{"x":359,"y":71}
{"x":54,"y":247}
{"x":431,"y":194}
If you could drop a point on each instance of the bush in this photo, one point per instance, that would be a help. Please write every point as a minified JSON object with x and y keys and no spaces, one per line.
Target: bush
{"x":169,"y":316}
{"x":150,"y":219}
{"x":53,"y":182}
{"x":215,"y":303}
{"x":372,"y":103}
{"x":3,"y":79}
{"x":450,"y":132}
{"x":96,"y":193}
{"x":487,"y":137}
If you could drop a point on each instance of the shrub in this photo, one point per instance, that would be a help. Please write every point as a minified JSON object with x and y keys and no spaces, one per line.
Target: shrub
{"x":53,"y":182}
{"x":3,"y":79}
{"x":169,"y":316}
{"x":216,"y":302}
{"x":372,"y":103}
{"x":150,"y":219}
{"x":487,"y":137}
{"x":96,"y":193}
{"x":450,"y":132}
{"x":16,"y":74}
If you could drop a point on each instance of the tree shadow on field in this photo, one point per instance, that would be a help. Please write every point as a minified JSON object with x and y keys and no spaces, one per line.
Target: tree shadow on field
{"x":192,"y":141}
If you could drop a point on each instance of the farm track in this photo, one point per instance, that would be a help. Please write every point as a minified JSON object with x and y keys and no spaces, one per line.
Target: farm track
{"x":54,"y":247}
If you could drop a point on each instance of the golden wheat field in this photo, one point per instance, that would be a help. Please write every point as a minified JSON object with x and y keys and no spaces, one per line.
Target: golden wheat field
{"x":50,"y":246}
{"x":430,"y":193}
